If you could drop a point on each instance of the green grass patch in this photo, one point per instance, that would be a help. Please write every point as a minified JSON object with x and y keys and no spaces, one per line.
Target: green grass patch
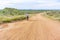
{"x":4,"y":19}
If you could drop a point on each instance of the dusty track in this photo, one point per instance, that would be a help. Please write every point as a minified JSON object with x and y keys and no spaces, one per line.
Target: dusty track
{"x":37,"y":28}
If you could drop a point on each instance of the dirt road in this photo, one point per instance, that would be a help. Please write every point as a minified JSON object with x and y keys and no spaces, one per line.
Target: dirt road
{"x":37,"y":28}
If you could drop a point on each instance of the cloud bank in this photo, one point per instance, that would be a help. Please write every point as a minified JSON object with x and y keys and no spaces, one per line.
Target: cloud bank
{"x":30,"y":4}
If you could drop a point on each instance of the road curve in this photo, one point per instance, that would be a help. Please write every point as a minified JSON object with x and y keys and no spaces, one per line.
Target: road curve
{"x":37,"y":28}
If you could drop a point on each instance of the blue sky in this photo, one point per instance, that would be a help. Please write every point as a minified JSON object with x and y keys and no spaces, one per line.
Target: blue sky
{"x":30,"y":4}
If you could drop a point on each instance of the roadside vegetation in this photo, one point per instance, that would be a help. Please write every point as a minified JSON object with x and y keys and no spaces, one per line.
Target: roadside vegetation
{"x":12,"y":14}
{"x":53,"y":14}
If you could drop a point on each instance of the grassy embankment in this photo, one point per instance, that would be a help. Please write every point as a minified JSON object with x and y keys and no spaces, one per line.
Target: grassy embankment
{"x":53,"y":14}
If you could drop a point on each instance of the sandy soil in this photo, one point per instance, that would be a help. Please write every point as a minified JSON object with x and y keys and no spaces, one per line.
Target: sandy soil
{"x":37,"y":28}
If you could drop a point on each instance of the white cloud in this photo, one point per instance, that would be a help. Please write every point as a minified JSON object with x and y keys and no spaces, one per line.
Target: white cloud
{"x":25,"y":1}
{"x":41,"y":3}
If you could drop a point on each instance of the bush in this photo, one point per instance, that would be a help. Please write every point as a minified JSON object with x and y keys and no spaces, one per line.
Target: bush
{"x":10,"y":19}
